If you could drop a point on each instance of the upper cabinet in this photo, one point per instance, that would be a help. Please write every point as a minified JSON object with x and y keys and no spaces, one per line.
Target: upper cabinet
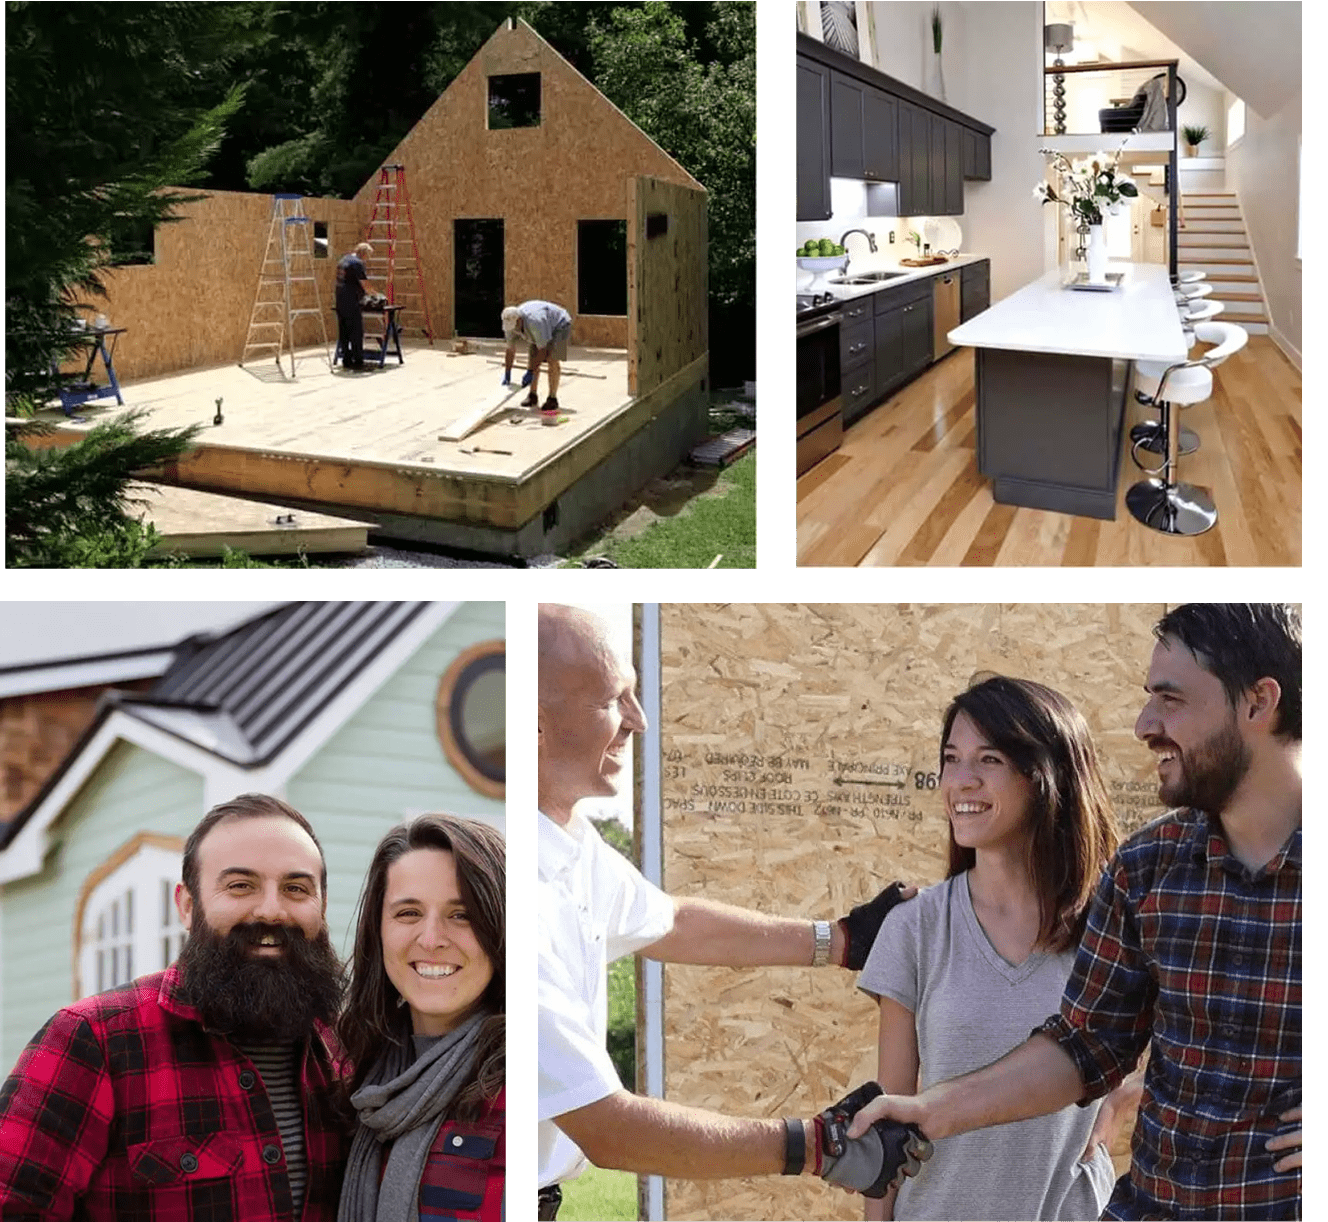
{"x":863,"y":131}
{"x":854,"y":122}
{"x":813,"y":141}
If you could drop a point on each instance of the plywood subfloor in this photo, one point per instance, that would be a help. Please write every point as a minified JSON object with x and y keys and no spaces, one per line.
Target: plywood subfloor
{"x":393,"y":415}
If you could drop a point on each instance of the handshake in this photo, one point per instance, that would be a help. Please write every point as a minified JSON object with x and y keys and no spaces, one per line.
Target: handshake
{"x":871,"y":1164}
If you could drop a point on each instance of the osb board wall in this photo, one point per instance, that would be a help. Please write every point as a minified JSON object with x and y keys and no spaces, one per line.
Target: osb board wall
{"x":578,"y":164}
{"x":190,"y":308}
{"x":800,"y":751}
{"x":667,"y":284}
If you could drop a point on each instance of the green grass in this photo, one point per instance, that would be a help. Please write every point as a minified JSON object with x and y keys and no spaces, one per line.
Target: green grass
{"x":599,"y":1196}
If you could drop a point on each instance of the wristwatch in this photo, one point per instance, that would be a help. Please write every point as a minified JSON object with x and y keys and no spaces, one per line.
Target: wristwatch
{"x":821,"y":943}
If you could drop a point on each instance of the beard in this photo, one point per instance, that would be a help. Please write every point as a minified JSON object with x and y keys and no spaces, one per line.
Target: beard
{"x":257,"y":998}
{"x":1210,"y":773}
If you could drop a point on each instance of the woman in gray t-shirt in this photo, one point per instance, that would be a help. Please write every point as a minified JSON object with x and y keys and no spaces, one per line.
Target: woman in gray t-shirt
{"x":966,"y":970}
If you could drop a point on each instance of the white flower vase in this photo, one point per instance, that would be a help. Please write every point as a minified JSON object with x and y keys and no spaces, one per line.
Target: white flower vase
{"x":1096,"y":255}
{"x":936,"y":83}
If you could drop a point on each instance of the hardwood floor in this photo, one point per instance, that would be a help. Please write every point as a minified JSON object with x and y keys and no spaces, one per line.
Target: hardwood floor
{"x":904,"y":488}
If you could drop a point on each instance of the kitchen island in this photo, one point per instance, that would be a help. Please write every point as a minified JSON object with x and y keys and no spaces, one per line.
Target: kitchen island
{"x":1053,"y":372}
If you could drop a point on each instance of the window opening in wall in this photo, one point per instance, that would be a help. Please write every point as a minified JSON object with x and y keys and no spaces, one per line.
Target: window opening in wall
{"x":601,"y":267}
{"x":136,"y":245}
{"x":471,"y":713}
{"x":514,"y":100}
{"x":320,"y":239}
{"x":1235,"y":121}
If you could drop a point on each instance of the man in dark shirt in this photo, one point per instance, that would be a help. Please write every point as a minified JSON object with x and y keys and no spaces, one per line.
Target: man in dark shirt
{"x":352,"y":284}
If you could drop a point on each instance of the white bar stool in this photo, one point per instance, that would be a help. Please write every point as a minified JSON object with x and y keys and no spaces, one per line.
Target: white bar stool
{"x":1148,"y":434}
{"x":1201,"y":312}
{"x":1189,"y":277}
{"x":1162,"y":503}
{"x":1188,"y":292}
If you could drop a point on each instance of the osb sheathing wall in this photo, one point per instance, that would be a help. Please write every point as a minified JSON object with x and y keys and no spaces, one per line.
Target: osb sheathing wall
{"x":667,"y":283}
{"x":800,"y":751}
{"x":577,"y":165}
{"x":190,"y":308}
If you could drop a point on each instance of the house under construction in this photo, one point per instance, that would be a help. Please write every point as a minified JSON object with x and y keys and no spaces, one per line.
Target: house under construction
{"x":524,"y":182}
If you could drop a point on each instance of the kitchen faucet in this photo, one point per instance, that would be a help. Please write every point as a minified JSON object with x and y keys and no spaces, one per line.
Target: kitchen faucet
{"x":865,"y":234}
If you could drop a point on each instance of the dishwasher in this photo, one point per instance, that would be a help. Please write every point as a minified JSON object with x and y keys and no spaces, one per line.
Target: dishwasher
{"x":945,"y":312}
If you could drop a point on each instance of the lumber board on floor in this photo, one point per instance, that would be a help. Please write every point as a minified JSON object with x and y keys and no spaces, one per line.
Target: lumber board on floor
{"x":469,"y":421}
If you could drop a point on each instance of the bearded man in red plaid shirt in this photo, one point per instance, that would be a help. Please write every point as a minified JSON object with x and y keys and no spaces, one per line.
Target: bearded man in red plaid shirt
{"x":1193,"y":942}
{"x":202,"y":1093}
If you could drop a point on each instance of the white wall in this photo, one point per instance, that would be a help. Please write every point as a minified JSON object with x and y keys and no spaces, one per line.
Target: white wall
{"x":1204,"y":107}
{"x":1262,"y":170}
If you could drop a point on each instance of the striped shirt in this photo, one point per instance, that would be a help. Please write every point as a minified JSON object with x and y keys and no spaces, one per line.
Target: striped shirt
{"x":1188,"y":947}
{"x":276,"y":1065}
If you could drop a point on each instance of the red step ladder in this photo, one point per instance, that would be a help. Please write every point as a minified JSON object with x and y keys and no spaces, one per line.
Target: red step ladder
{"x":395,"y":259}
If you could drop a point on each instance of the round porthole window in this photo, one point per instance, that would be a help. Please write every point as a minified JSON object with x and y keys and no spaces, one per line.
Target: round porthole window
{"x":472,"y":717}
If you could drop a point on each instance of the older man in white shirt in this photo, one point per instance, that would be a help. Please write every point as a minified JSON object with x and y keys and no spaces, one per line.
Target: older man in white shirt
{"x":595,"y":907}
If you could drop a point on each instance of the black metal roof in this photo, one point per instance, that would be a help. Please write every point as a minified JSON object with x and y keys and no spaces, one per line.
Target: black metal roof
{"x":245,"y":694}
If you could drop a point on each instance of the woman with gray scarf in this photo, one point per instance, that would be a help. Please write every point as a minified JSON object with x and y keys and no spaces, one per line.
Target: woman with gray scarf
{"x":423,"y":1027}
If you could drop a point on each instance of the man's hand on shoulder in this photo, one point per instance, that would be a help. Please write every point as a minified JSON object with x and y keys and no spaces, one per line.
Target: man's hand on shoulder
{"x":863,"y":924}
{"x":1288,"y":1141}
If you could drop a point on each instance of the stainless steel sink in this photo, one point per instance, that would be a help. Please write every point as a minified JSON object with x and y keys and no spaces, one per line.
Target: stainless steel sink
{"x":868,"y":278}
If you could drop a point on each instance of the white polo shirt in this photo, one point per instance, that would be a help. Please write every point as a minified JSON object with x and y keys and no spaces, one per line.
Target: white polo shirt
{"x":594,"y":907}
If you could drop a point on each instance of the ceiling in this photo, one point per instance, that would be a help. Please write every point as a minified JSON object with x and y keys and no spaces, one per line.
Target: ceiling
{"x":1249,"y":49}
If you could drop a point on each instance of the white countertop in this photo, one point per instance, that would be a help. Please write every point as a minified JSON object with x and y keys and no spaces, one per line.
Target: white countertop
{"x":1137,"y":322}
{"x":846,"y":292}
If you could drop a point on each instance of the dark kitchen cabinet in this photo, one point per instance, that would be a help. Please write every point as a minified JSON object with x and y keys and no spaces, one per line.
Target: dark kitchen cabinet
{"x":914,"y":127}
{"x":974,"y":289}
{"x":858,"y":123}
{"x":977,"y":154}
{"x":903,"y":334}
{"x":813,"y":141}
{"x":863,"y":136}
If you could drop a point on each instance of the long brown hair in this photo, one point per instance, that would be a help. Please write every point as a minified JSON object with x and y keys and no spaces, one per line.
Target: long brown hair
{"x":373,"y":1014}
{"x":1072,"y":827}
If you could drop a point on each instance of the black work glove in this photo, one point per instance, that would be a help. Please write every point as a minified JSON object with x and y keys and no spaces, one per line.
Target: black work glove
{"x":878,"y":1160}
{"x":863,"y":924}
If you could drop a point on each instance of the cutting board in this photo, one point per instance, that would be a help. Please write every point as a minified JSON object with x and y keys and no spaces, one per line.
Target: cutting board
{"x":924,"y":262}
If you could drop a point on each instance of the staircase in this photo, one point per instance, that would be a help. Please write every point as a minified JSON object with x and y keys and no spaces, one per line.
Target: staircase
{"x":1212,"y":239}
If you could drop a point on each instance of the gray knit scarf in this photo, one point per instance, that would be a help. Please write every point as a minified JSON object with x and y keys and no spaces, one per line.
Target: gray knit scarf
{"x":403,"y":1100}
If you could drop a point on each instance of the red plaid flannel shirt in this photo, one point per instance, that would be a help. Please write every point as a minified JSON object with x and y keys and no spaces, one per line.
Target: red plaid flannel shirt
{"x":123,"y":1106}
{"x":463,"y":1175}
{"x":1187,"y":948}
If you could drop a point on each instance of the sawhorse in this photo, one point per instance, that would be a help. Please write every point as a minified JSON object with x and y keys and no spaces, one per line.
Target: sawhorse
{"x":391,"y":335}
{"x":74,"y":393}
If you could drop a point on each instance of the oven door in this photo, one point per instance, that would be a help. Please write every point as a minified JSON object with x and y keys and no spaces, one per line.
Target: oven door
{"x":820,"y":422}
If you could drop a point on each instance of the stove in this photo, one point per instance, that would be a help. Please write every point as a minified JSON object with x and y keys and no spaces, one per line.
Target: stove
{"x":809,"y":301}
{"x":820,"y":423}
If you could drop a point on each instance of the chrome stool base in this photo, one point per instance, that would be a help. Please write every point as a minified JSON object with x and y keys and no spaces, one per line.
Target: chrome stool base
{"x":1149,"y":436}
{"x":1175,"y":509}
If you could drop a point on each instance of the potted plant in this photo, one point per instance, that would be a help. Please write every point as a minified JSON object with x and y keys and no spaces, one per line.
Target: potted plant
{"x":1194,"y":136}
{"x":937,"y":35}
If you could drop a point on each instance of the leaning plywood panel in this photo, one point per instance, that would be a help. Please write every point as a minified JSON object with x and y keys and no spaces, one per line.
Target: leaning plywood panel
{"x":667,"y":288}
{"x":195,"y":523}
{"x":800,"y":749}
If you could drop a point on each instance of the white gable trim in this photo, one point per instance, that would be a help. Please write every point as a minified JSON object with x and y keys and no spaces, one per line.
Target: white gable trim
{"x":88,"y":672}
{"x":24,"y":856}
{"x":221,"y":780}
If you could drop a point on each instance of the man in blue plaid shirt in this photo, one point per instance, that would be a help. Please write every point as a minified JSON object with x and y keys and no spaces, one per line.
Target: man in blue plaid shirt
{"x":1193,"y":943}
